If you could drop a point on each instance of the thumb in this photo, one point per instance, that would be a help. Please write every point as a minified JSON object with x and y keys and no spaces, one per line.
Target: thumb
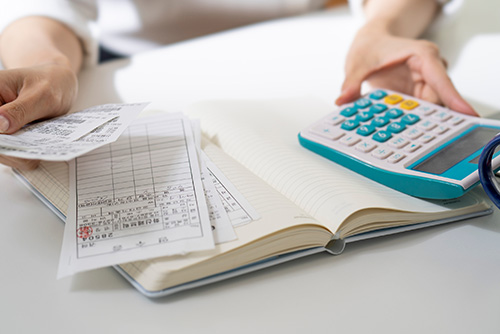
{"x":14,"y":115}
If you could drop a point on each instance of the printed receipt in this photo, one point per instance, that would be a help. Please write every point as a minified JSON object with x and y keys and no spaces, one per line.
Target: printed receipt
{"x":66,"y":137}
{"x":222,"y":227}
{"x":137,"y":198}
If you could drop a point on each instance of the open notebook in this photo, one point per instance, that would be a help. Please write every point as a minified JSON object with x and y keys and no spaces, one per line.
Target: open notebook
{"x":307,"y":204}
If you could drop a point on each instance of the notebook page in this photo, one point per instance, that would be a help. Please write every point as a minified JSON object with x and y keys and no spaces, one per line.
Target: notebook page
{"x":262,"y":136}
{"x":50,"y":179}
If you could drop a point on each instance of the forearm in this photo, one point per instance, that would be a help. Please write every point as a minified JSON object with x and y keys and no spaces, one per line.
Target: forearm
{"x":34,"y":41}
{"x":403,"y":18}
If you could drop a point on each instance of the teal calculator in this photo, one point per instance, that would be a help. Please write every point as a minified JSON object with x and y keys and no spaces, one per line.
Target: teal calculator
{"x":408,"y":144}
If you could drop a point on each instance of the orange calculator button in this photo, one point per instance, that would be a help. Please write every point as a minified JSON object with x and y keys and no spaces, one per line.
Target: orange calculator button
{"x":409,"y":104}
{"x":393,"y":99}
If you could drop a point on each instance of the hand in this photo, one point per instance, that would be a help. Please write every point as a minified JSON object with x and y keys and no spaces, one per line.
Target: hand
{"x":28,"y":94}
{"x":412,"y":67}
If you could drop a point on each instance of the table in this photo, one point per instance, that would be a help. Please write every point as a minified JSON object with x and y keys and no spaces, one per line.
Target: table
{"x":439,"y":280}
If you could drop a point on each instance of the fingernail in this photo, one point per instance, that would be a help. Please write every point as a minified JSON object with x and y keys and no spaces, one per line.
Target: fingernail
{"x":4,"y":124}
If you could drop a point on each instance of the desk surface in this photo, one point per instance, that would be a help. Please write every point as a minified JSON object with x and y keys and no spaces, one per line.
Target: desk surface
{"x":439,"y":280}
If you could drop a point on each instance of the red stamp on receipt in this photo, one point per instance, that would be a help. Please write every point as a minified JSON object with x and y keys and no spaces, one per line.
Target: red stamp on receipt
{"x":84,"y":232}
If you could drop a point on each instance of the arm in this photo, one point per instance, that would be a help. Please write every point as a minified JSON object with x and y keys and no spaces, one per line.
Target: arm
{"x":385,"y":52}
{"x":42,"y":58}
{"x":407,"y":18}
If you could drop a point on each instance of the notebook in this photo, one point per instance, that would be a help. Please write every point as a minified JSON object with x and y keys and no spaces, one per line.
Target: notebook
{"x":307,"y":204}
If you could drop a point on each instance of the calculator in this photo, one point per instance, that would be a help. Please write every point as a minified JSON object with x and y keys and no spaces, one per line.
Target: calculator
{"x":408,"y":144}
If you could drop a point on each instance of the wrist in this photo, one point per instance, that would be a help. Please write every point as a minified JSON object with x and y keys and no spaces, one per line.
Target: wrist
{"x":407,"y":19}
{"x":55,"y":59}
{"x":373,"y":30}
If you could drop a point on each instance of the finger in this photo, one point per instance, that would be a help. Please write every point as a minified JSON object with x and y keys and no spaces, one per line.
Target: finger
{"x":350,"y":92}
{"x":18,"y":163}
{"x":351,"y":87}
{"x":437,"y":78}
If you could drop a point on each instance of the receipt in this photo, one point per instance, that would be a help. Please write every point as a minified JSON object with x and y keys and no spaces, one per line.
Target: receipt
{"x":66,"y":137}
{"x":137,"y":198}
{"x":237,"y":207}
{"x":219,"y":219}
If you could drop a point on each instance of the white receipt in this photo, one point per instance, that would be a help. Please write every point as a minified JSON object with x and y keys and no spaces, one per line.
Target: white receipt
{"x":219,"y":219}
{"x":221,"y":225}
{"x":140,"y":197}
{"x":236,"y":206}
{"x":66,"y":137}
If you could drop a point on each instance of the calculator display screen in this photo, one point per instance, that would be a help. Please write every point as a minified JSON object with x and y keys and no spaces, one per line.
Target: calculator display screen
{"x":457,"y":151}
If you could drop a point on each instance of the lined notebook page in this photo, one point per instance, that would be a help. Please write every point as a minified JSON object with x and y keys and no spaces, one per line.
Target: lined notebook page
{"x":262,"y":136}
{"x":51,"y":179}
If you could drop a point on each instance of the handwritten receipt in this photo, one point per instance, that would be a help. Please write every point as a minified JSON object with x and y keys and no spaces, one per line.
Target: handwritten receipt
{"x":137,"y":198}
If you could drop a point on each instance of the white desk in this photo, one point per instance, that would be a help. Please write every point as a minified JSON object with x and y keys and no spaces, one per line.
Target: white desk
{"x":440,"y":280}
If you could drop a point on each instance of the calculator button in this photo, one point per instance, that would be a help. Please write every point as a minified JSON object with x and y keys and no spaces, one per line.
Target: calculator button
{"x":426,"y":138}
{"x":364,"y":116}
{"x":410,"y":119}
{"x":427,"y":125}
{"x":398,"y":142}
{"x":396,"y":127}
{"x":441,"y":129}
{"x":380,"y":121}
{"x":393,"y":99}
{"x":412,"y":147}
{"x":378,"y":108}
{"x":349,"y":111}
{"x":365,"y":130}
{"x":365,"y":146}
{"x":335,"y":120}
{"x":441,"y":116}
{"x":396,"y":157}
{"x":327,"y":132}
{"x":456,"y":120}
{"x":363,"y":103}
{"x":409,"y":104}
{"x":350,"y":124}
{"x":413,"y":133}
{"x":378,"y":94}
{"x":349,"y":140}
{"x":426,"y":110}
{"x":381,"y":153}
{"x":394,"y":113}
{"x":382,"y":136}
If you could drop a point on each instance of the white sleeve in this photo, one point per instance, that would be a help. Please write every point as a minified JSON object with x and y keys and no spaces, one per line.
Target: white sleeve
{"x":357,"y":6}
{"x":78,"y":15}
